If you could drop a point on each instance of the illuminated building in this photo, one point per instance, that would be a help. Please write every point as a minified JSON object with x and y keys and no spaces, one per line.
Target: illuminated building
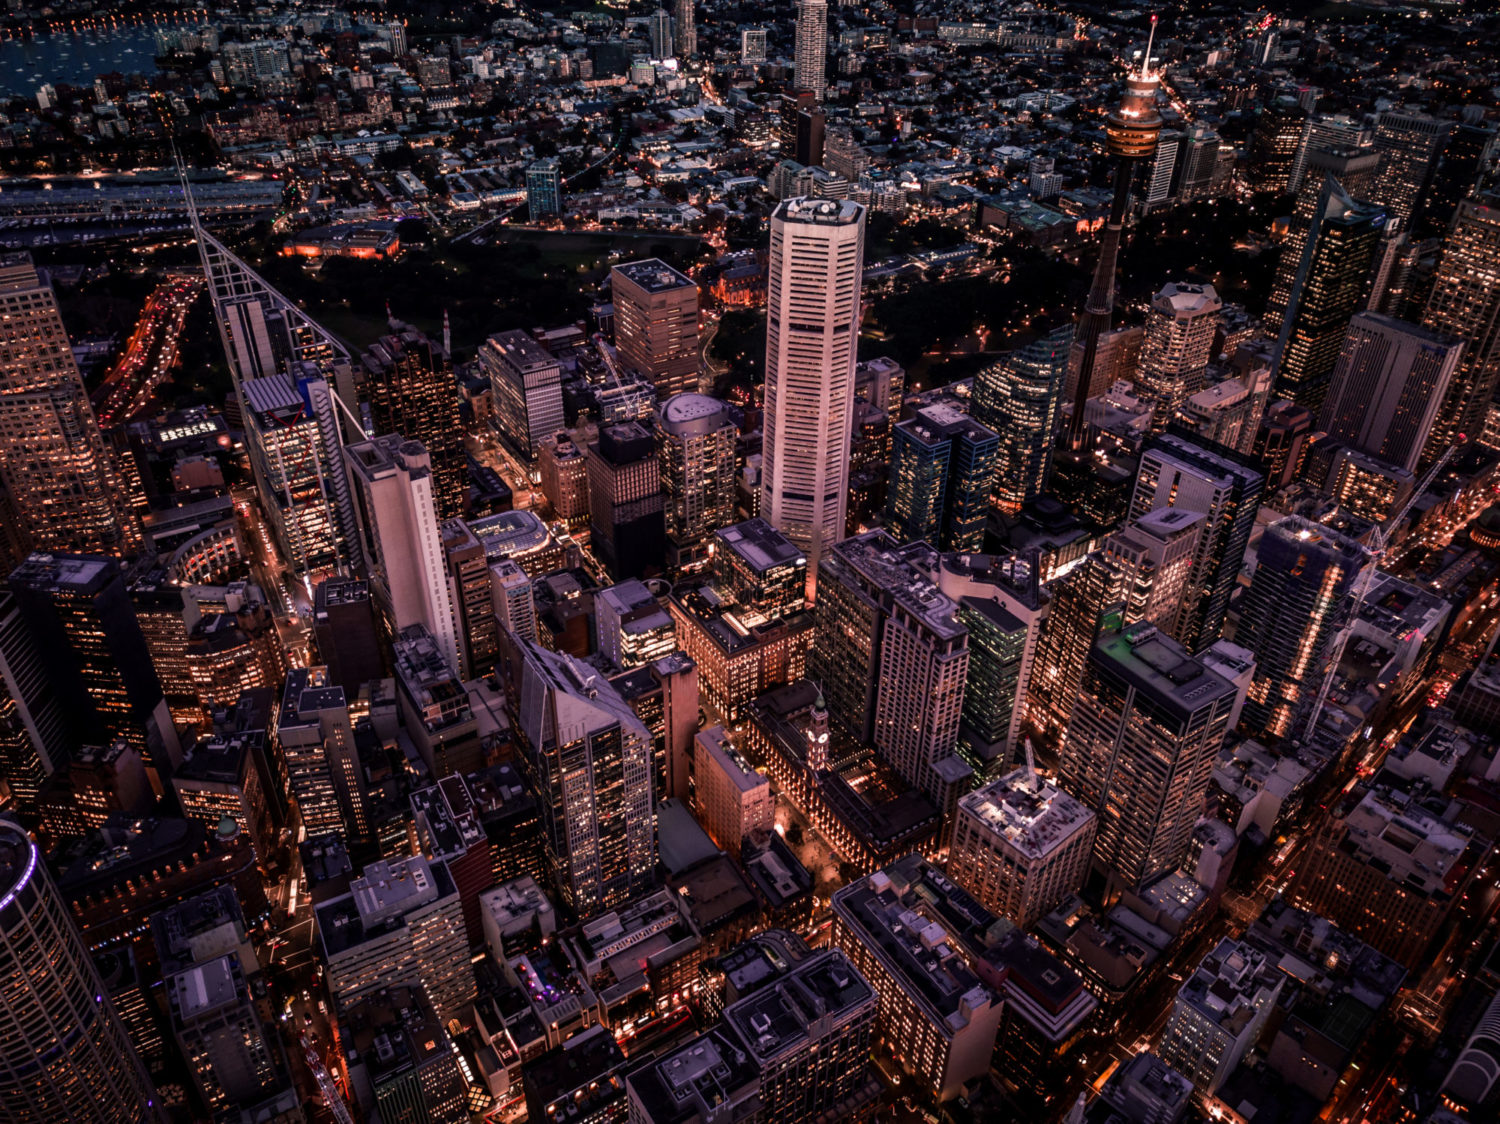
{"x":1297,"y":601}
{"x":565,"y":479}
{"x":526,"y":382}
{"x":470,"y":589}
{"x":524,"y":538}
{"x":1048,"y":1017}
{"x":543,"y":189}
{"x":448,"y":827}
{"x":401,"y":923}
{"x":412,"y":391}
{"x":633,"y":627}
{"x":892,"y":657}
{"x":659,"y":25}
{"x":904,"y":928}
{"x":1465,"y":302}
{"x":656,"y":324}
{"x":222,"y":775}
{"x":707,"y":1079}
{"x":315,"y":742}
{"x":62,"y":488}
{"x":65,"y":1054}
{"x":435,"y":707}
{"x":627,"y":509}
{"x":1327,"y":289}
{"x":683,"y":31}
{"x":399,"y":1060}
{"x":99,"y":781}
{"x":343,"y":621}
{"x":1176,"y":348}
{"x":512,"y":605}
{"x":1083,"y":601}
{"x":220,"y":1034}
{"x":1275,"y":143}
{"x":1409,"y":145}
{"x":734,"y":802}
{"x":588,"y":758}
{"x":1019,"y":399}
{"x":1140,"y":750}
{"x":759,"y":570}
{"x":943,"y":469}
{"x":393,"y":481}
{"x":1155,"y":555}
{"x":78,"y":613}
{"x":1131,"y":133}
{"x":817,"y":258}
{"x":1219,"y":1013}
{"x":296,"y":453}
{"x":695,"y":441}
{"x":1021,"y":845}
{"x":1184,"y":473}
{"x":810,"y":1033}
{"x":811,"y":52}
{"x":581,"y":1081}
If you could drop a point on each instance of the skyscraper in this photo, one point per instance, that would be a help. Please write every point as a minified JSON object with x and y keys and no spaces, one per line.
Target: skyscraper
{"x":1155,"y":554}
{"x":816,"y":269}
{"x":1084,"y":601}
{"x":588,"y":758}
{"x":1131,"y":133}
{"x":1297,"y":602}
{"x":892,"y":657}
{"x":695,"y":442}
{"x":1465,"y":302}
{"x":942,"y":473}
{"x":34,"y":739}
{"x":656,"y":324}
{"x":61,"y":487}
{"x":1274,"y":144}
{"x":392,"y":479}
{"x":1327,"y":290}
{"x":1178,"y":344}
{"x":1409,"y":144}
{"x":626,"y":505}
{"x":660,"y":25}
{"x":1385,"y":392}
{"x":1322,"y":132}
{"x":1019,"y":398}
{"x":544,"y":186}
{"x":812,"y":47}
{"x":412,"y":391}
{"x":64,"y":1054}
{"x":684,"y":33}
{"x":1180,"y":472}
{"x":315,"y":740}
{"x":1140,"y":749}
{"x":80,"y":618}
{"x":526,"y":382}
{"x":1466,"y":159}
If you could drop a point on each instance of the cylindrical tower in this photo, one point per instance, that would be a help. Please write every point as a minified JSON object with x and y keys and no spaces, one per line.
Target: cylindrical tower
{"x":64,"y":1054}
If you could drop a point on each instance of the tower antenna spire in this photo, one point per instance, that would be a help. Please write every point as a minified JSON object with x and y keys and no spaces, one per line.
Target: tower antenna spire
{"x":1146,"y":58}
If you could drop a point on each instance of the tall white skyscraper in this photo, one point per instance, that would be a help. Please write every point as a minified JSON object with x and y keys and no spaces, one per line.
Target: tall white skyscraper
{"x":812,"y":48}
{"x":661,"y":34}
{"x":404,"y":546}
{"x":684,"y":33}
{"x":812,"y":327}
{"x":1177,"y":347}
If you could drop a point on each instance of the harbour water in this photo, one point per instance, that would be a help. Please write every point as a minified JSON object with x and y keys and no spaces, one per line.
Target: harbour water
{"x":75,"y":57}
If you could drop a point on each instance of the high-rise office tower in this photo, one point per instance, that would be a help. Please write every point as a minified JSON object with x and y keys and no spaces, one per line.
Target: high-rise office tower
{"x":1197,"y":164}
{"x":1084,"y":601}
{"x":1327,"y":290}
{"x":634,"y":628}
{"x":1001,"y":603}
{"x":843,"y":154}
{"x":1409,"y":144}
{"x":1385,"y":392}
{"x":752,"y":45}
{"x":80,"y":619}
{"x":1467,"y":161}
{"x":1274,"y":144}
{"x":892,"y":656}
{"x":812,"y":47}
{"x":1354,"y":169}
{"x":1297,"y":602}
{"x":1326,"y":131}
{"x":1219,"y":1013}
{"x":544,"y":187}
{"x":526,"y":382}
{"x":1019,"y":399}
{"x":684,"y":32}
{"x":231,"y":1059}
{"x":344,"y":626}
{"x":1180,"y":472}
{"x":627,"y":508}
{"x":797,"y":125}
{"x":1155,"y":554}
{"x":34,"y":738}
{"x":511,"y":600}
{"x":588,"y":758}
{"x":470,"y":589}
{"x":695,"y":442}
{"x":61,"y":488}
{"x":1140,"y":749}
{"x":64,"y":1054}
{"x":1465,"y":302}
{"x":315,"y":740}
{"x":817,"y":264}
{"x":412,"y":391}
{"x":656,"y":324}
{"x":1178,"y":344}
{"x":1131,"y":133}
{"x":392,"y":479}
{"x":565,"y":479}
{"x":660,"y":26}
{"x":1161,"y":175}
{"x":943,"y":466}
{"x":295,"y":443}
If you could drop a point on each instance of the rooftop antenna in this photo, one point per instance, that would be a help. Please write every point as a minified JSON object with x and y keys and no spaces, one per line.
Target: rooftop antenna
{"x":1146,"y":58}
{"x":447,"y":338}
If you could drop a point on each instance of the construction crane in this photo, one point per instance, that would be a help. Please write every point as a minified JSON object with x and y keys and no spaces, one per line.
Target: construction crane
{"x":1379,"y":540}
{"x":331,"y":1098}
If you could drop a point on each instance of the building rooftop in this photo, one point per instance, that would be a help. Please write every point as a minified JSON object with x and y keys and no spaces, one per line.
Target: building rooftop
{"x":1032,"y":815}
{"x":205,"y":987}
{"x":759,"y":545}
{"x":64,"y":573}
{"x":18,"y":860}
{"x":896,"y":572}
{"x":654,"y":275}
{"x":1228,"y":986}
{"x":520,"y":350}
{"x":776,"y":1019}
{"x":694,"y":1080}
{"x":692,"y":415}
{"x":1154,"y":662}
{"x":822,"y":212}
{"x":509,"y":533}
